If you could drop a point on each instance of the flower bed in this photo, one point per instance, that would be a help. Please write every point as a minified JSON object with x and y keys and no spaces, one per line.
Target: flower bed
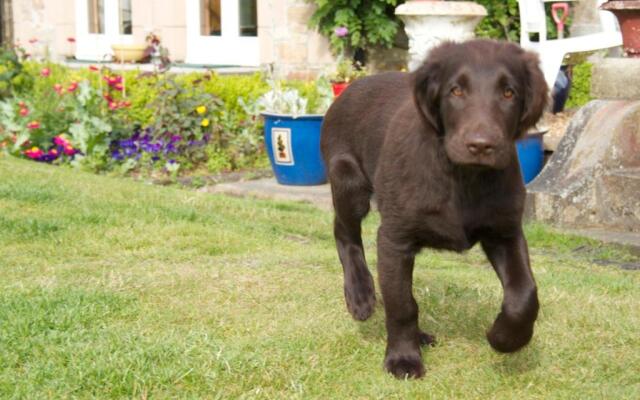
{"x":152,"y":123}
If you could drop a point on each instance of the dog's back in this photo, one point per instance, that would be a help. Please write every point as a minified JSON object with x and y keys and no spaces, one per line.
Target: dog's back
{"x":359,"y":118}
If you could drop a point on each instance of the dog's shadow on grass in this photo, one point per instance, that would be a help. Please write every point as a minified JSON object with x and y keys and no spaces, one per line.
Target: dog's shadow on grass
{"x":452,"y":312}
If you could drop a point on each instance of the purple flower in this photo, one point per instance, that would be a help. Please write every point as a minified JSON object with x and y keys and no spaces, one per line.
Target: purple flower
{"x":341,"y":31}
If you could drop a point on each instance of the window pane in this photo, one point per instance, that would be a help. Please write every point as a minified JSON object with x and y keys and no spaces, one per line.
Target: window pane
{"x":248,"y":18}
{"x":125,"y":17}
{"x":210,"y":23}
{"x":96,"y":16}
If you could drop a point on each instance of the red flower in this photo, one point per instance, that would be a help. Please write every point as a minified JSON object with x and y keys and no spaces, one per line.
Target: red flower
{"x":71,"y":39}
{"x":24,"y":112}
{"x":113,"y":105}
{"x":118,"y":87}
{"x":93,"y":68}
{"x":33,"y":125}
{"x":72,"y":87}
{"x":45,"y":72}
{"x":108,"y":98}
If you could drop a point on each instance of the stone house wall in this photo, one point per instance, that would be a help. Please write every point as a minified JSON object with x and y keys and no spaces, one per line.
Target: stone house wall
{"x":285,"y":39}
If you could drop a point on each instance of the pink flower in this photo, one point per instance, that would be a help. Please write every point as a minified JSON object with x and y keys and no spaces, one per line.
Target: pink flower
{"x":53,"y":152}
{"x":33,"y":40}
{"x":341,"y":31}
{"x":21,"y":104}
{"x":45,"y":72}
{"x":60,"y":141}
{"x":24,"y":112}
{"x":33,"y":125}
{"x":72,"y":87}
{"x":34,"y":153}
{"x":113,"y":106}
{"x":118,"y":87}
{"x":58,"y":88}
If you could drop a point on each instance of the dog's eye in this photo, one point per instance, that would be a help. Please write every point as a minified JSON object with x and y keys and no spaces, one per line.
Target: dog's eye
{"x":508,"y":93}
{"x":456,"y":91}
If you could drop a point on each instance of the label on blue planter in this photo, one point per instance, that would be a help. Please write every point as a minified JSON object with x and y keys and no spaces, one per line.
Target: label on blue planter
{"x":281,"y":143}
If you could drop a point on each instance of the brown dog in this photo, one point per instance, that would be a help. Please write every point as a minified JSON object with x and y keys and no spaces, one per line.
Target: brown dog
{"x":437,"y":147}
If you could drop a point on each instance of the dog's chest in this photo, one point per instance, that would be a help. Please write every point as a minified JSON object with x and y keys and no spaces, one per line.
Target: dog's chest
{"x":457,"y":225}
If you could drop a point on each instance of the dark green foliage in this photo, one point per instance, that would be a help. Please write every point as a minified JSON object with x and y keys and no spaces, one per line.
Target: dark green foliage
{"x":502,"y":21}
{"x":370,"y":22}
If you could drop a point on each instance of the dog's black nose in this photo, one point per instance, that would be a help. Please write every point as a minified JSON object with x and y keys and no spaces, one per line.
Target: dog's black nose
{"x":480,"y":146}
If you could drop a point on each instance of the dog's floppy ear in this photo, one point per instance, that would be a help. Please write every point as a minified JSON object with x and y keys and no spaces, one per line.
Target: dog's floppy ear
{"x":426,"y":88}
{"x":535,"y":92}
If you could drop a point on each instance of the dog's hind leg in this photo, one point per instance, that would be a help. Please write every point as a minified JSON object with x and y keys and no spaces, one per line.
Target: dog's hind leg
{"x":351,"y":193}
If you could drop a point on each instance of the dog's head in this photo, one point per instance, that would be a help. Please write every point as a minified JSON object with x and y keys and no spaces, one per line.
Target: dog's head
{"x":480,"y":96}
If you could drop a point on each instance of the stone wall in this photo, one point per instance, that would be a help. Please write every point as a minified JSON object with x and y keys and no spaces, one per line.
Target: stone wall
{"x":287,"y":42}
{"x":42,"y":27}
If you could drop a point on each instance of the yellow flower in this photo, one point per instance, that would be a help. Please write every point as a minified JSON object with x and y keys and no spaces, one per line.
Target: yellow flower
{"x":205,"y":122}
{"x":201,"y":109}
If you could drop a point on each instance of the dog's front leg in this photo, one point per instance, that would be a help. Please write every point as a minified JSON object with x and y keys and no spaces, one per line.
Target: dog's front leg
{"x":513,"y":328}
{"x":395,"y":273}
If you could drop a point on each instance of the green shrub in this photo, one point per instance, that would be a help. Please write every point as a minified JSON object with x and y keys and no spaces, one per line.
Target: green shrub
{"x":580,"y":93}
{"x":502,"y":20}
{"x":369,"y":23}
{"x":12,"y":75}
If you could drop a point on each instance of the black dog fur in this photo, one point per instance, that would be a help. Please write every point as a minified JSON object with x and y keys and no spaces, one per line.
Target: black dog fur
{"x":437,"y":147}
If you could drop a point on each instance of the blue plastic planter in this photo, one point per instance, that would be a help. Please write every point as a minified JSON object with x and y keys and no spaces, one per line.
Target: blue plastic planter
{"x":293,"y":146}
{"x":531,"y":156}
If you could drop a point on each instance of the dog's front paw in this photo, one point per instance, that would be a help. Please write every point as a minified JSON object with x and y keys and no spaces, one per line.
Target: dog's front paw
{"x":404,"y":364}
{"x":360,"y":298}
{"x":507,"y":336}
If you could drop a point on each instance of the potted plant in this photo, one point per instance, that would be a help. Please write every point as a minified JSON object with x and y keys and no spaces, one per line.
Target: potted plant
{"x":346,"y":72}
{"x":292,"y":133}
{"x":627,"y":12}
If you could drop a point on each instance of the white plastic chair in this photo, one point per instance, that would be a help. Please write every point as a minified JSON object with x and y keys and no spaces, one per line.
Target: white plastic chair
{"x":552,"y":52}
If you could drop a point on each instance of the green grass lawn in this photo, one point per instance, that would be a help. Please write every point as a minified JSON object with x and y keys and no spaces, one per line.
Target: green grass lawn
{"x":115,"y":289}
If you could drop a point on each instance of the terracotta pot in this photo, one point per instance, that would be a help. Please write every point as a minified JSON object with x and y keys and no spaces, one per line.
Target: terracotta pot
{"x":628,"y":14}
{"x":338,"y":87}
{"x":128,"y":52}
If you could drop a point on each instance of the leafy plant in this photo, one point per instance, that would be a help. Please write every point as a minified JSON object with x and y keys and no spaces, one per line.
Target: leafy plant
{"x":369,"y":23}
{"x":502,"y":20}
{"x":12,"y":74}
{"x":347,"y":71}
{"x":580,"y":93}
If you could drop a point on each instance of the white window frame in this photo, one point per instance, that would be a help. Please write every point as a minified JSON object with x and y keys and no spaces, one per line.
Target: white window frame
{"x":97,"y":46}
{"x":227,"y":49}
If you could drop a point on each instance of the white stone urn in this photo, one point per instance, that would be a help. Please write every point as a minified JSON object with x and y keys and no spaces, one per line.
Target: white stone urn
{"x":428,"y":23}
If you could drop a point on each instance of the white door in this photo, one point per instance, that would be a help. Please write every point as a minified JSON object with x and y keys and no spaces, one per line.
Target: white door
{"x":99,"y":24}
{"x":222,"y":32}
